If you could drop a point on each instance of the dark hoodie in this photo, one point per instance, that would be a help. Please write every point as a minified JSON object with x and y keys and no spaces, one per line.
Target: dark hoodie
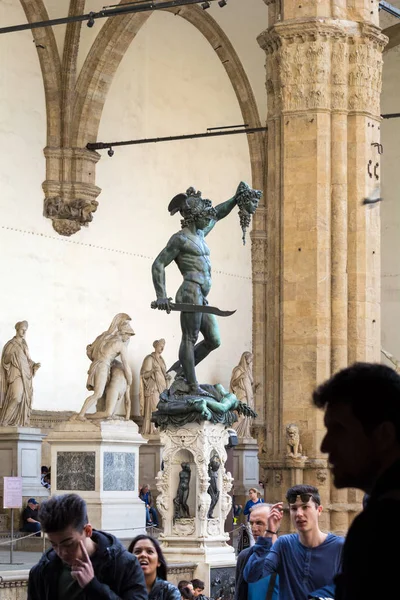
{"x":118,"y":575}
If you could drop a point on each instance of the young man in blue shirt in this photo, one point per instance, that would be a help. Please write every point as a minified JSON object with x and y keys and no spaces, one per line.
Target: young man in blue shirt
{"x":304,"y":561}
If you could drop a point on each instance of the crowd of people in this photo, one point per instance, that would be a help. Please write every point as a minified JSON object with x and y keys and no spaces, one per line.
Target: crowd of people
{"x":362,"y":417}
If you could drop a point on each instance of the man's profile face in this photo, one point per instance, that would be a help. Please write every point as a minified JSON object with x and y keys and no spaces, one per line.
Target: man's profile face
{"x":305,"y":515}
{"x":197,"y":592}
{"x":352,"y":454}
{"x":259,"y":522}
{"x":66,"y":543}
{"x":202,"y":222}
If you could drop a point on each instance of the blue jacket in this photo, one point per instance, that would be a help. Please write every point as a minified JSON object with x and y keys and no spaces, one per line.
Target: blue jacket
{"x":325,"y":593}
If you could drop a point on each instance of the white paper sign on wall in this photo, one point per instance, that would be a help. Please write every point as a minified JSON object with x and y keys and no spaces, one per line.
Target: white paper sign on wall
{"x":12,"y":496}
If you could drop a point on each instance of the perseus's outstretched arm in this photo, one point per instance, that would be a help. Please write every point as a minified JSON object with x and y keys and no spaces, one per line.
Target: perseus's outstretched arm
{"x":226,"y":207}
{"x":223,"y":210}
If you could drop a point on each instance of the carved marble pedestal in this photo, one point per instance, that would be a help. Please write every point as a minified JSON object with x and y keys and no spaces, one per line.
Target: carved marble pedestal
{"x":245,"y":468}
{"x":197,"y":538}
{"x":21,"y":456}
{"x":100,"y":462}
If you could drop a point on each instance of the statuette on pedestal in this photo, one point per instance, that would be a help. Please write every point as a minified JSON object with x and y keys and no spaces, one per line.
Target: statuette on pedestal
{"x":242,"y":385}
{"x":154,"y":379}
{"x":213,"y":490}
{"x":293,"y":446}
{"x":109,"y":375}
{"x":17,"y":372}
{"x":181,"y":508}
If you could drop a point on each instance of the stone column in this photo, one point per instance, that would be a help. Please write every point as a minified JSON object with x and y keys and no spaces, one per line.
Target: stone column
{"x":324,"y":62}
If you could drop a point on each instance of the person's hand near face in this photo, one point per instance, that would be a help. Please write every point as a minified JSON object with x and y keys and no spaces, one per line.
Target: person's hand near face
{"x":82,"y":569}
{"x":275,"y":517}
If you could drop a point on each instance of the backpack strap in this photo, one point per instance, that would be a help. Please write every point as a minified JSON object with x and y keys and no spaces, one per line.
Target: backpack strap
{"x":271,"y":587}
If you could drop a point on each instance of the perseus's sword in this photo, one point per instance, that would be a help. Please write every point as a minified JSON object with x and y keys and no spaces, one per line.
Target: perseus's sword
{"x":197,"y":308}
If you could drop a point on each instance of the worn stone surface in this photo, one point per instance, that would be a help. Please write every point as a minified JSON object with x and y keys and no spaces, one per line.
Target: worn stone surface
{"x":119,"y":471}
{"x":76,"y":471}
{"x":316,"y":255}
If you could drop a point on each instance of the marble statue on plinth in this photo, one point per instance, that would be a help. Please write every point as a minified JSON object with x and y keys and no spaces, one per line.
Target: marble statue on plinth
{"x":109,"y":375}
{"x":17,"y":372}
{"x":187,"y":400}
{"x":154,"y":379}
{"x":242,"y":385}
{"x":181,"y":509}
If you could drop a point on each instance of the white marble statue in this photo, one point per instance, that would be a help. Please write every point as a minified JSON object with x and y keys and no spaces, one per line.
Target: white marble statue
{"x":107,"y":375}
{"x":17,"y":372}
{"x":154,"y":379}
{"x":242,"y":385}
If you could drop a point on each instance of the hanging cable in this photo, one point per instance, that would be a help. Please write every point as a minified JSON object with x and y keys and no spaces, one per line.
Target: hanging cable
{"x":109,"y":11}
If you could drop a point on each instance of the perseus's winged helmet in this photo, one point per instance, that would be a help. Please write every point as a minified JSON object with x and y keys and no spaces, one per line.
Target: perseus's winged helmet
{"x":191,"y":204}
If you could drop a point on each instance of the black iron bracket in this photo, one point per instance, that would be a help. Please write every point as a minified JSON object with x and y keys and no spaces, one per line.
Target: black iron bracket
{"x":211,"y":132}
{"x":112,"y":11}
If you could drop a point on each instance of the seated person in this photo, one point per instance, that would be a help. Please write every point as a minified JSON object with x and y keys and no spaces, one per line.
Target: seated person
{"x":45,"y":477}
{"x":186,"y":589}
{"x":29,"y":517}
{"x":198,"y":589}
{"x":237,"y":510}
{"x":151,"y":514}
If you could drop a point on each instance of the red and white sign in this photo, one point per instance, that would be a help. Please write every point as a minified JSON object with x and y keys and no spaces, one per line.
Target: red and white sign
{"x":12,"y":496}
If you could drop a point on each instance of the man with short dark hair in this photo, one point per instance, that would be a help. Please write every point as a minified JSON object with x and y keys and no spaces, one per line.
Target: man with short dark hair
{"x":185,"y":588}
{"x":83,"y":564}
{"x":30,"y":522}
{"x":362,"y":418}
{"x":306,"y":560}
{"x":198,"y":587}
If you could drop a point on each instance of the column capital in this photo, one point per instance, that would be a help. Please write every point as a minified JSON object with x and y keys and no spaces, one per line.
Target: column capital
{"x":323,"y":64}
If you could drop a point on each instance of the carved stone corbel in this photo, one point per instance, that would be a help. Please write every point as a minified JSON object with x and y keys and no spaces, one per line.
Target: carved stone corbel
{"x":70,"y":202}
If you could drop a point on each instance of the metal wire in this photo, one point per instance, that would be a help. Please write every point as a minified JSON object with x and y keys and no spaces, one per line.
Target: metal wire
{"x":113,"y":11}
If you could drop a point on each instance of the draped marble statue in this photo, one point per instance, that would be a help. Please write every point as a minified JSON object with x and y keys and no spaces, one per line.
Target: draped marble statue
{"x":154,"y":379}
{"x":242,"y":385}
{"x":17,"y":372}
{"x":108,"y":377}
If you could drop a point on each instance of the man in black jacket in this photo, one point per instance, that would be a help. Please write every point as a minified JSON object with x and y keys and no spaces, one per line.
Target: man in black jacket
{"x":362,"y":417}
{"x":83,"y":564}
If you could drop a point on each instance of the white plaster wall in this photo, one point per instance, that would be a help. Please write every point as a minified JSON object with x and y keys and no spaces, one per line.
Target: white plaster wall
{"x":69,"y":289}
{"x":390,"y":207}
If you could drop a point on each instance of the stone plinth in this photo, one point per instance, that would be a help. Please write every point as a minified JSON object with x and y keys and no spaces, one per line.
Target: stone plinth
{"x":20,"y":456}
{"x":196,"y":538}
{"x":245,"y":468}
{"x":100,"y":462}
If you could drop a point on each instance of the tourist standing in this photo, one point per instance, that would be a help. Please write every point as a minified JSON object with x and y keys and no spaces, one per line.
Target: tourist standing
{"x":306,"y":560}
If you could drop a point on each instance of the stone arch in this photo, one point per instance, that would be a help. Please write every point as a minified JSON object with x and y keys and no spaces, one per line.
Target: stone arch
{"x":107,"y":52}
{"x":50,"y":64}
